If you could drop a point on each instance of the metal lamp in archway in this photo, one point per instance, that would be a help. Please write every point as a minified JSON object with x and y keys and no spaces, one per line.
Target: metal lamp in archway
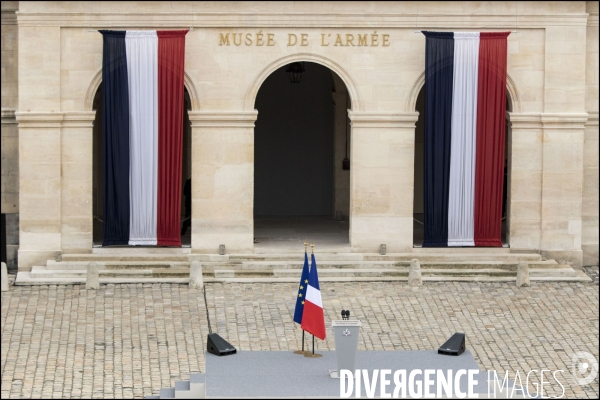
{"x":294,"y":71}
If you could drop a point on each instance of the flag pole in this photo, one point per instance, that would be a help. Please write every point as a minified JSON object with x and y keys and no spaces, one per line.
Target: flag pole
{"x":313,"y":355}
{"x":303,"y":351}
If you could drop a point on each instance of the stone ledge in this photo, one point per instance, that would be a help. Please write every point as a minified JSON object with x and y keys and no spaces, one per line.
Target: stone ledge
{"x":366,"y":119}
{"x":368,"y":20}
{"x":223,"y":119}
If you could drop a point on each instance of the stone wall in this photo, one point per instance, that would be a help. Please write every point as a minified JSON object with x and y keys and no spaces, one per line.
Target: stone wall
{"x":10,"y":138}
{"x":9,"y":191}
{"x":553,"y":188}
{"x":590,"y":228}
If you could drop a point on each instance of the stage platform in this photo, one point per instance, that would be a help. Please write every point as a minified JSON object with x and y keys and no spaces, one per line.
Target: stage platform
{"x":284,"y":374}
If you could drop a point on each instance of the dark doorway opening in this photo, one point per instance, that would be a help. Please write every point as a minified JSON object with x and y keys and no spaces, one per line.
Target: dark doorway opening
{"x":301,"y":138}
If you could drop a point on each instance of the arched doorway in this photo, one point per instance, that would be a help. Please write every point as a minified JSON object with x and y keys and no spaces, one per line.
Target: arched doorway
{"x":418,"y":231}
{"x":301,"y":181}
{"x":98,"y":191}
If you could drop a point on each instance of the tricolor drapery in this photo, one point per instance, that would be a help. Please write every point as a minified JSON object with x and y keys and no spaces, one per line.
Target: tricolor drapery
{"x":142,"y":126}
{"x":465,"y":100}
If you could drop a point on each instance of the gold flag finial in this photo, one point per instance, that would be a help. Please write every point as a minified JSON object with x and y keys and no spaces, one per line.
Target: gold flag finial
{"x":305,"y":246}
{"x":312,"y":248}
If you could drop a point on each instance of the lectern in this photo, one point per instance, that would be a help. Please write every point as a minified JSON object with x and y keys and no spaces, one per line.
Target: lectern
{"x":346,"y":334}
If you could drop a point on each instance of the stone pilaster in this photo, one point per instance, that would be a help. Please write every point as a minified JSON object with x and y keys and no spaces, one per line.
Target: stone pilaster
{"x":341,"y":177}
{"x":10,"y":162}
{"x":222,"y":180}
{"x":590,"y":213}
{"x":76,"y":182}
{"x":39,"y":187}
{"x":525,"y":149}
{"x":562,"y":186}
{"x":381,"y":181}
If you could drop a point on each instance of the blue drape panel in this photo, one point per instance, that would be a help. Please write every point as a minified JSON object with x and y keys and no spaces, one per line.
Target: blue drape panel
{"x":439,"y":66}
{"x":115,"y":138}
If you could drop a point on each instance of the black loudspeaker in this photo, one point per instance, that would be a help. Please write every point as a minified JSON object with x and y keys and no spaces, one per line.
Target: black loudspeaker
{"x":454,"y":346}
{"x":219,"y":346}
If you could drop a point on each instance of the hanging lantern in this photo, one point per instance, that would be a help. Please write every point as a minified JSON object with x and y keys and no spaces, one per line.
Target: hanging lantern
{"x":294,"y":72}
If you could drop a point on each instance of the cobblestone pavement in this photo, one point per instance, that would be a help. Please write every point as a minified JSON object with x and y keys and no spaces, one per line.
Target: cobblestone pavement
{"x":131,"y":340}
{"x":592,"y":272}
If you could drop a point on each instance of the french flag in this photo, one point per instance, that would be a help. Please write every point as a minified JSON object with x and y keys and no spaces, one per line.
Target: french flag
{"x":142,"y":127}
{"x":313,"y":318}
{"x":465,"y":105}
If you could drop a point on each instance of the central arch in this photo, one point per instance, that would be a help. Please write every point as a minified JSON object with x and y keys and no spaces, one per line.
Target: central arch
{"x":250,"y":98}
{"x":301,"y":158}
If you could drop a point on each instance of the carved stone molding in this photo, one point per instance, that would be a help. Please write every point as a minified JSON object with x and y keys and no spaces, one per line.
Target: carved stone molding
{"x":525,"y":120}
{"x":383,"y":120}
{"x":8,"y":116}
{"x":564,"y":120}
{"x":39,"y":119}
{"x":316,"y":58}
{"x":88,"y":102}
{"x":80,"y":119}
{"x":223,"y":119}
{"x":370,"y":20}
{"x":592,"y":118}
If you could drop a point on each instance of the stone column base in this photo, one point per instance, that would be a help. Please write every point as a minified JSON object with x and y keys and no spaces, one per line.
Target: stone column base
{"x":29,"y":258}
{"x":571,"y":257}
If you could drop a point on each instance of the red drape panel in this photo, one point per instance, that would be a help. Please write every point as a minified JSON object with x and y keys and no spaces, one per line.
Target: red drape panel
{"x":491,"y":110}
{"x":171,"y":55}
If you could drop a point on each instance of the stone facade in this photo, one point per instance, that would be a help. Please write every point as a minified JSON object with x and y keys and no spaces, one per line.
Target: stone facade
{"x":50,"y":78}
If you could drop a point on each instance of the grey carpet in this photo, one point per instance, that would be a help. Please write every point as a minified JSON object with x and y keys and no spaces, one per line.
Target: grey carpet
{"x":284,"y":374}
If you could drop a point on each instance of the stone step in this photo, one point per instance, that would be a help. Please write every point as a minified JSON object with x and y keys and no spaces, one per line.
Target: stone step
{"x":560,"y":270}
{"x":288,"y":264}
{"x":65,"y":265}
{"x":141,"y":249}
{"x":472,"y":250}
{"x":183,"y":255}
{"x":486,"y":275}
{"x":453,"y":256}
{"x":295,"y":256}
{"x":475,"y":254}
{"x":39,"y":272}
{"x":399,"y":272}
{"x":264,"y":269}
{"x":578,"y":276}
{"x":259,"y":265}
{"x":169,"y":257}
{"x":441,"y":278}
{"x":25,"y":278}
{"x":381,"y":272}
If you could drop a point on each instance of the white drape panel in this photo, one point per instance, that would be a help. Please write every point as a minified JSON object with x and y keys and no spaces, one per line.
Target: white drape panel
{"x":461,"y":193}
{"x":142,"y":71}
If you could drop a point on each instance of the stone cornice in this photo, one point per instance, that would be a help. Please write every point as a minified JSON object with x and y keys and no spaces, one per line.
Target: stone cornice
{"x":8,"y":116}
{"x":223,"y":119}
{"x":39,"y":119}
{"x":8,"y":16}
{"x":525,"y":120}
{"x":298,"y":20}
{"x":549,"y":120}
{"x":593,"y":18}
{"x":564,"y":120}
{"x":75,"y":119}
{"x":592,"y":119}
{"x":383,"y":120}
{"x":79,"y":119}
